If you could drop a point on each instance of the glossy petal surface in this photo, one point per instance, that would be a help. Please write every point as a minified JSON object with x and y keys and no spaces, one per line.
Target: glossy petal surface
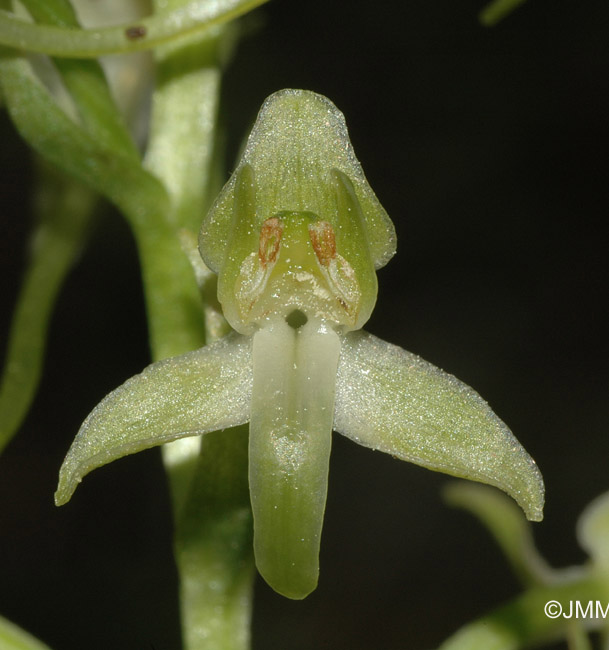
{"x":189,"y":395}
{"x":394,"y":401}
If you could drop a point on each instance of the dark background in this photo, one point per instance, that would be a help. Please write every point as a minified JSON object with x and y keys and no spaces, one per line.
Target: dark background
{"x":488,"y":148}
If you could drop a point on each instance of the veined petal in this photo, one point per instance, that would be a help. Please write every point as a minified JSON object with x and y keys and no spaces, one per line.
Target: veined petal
{"x":394,"y":401}
{"x":290,"y":438}
{"x":189,"y":395}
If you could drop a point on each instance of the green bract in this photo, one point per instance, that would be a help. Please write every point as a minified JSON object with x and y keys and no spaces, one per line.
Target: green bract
{"x":295,"y":237}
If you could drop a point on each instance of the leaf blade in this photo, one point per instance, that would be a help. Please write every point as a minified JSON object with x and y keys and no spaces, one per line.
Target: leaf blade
{"x":64,"y":208}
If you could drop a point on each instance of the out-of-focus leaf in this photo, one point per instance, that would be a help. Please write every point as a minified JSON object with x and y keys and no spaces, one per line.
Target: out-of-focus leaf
{"x":64,"y":208}
{"x":524,"y":623}
{"x":497,"y":10}
{"x":173,"y":302}
{"x":13,"y":637}
{"x":507,"y":524}
{"x":45,"y":126}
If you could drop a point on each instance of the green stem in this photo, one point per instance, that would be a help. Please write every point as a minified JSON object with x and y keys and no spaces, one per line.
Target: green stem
{"x":208,"y":479}
{"x":196,"y":16}
{"x":214,"y":547}
{"x":173,"y":305}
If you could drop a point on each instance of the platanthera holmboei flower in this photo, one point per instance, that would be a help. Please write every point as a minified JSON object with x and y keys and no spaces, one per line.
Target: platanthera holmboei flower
{"x":295,"y":237}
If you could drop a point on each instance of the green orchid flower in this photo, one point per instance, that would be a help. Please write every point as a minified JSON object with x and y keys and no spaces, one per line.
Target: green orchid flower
{"x":295,"y":237}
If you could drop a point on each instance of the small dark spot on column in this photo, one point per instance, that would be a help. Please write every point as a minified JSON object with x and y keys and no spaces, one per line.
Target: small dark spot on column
{"x":296,"y":319}
{"x":135,"y":32}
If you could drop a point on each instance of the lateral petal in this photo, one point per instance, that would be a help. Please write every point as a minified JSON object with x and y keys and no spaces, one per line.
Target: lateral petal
{"x":188,"y":395}
{"x":394,"y":401}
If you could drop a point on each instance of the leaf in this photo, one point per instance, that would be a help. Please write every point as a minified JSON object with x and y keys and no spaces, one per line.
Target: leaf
{"x":13,"y":637}
{"x":189,"y":395}
{"x":173,"y":302}
{"x":391,"y":400}
{"x":43,"y":124}
{"x":506,"y":523}
{"x":64,"y":210}
{"x":86,"y":83}
{"x":497,"y":10}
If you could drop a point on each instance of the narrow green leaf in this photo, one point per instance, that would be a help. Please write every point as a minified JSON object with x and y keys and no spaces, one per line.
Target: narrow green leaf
{"x":173,"y":302}
{"x":391,"y":400}
{"x":57,"y":138}
{"x":52,"y":12}
{"x":146,"y":34}
{"x":497,"y":10}
{"x":14,"y":638}
{"x":189,"y":395}
{"x":64,"y":209}
{"x":508,"y":526}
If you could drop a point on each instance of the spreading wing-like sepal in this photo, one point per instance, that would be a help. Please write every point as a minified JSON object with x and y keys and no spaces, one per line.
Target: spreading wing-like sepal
{"x":394,"y":401}
{"x":189,"y":395}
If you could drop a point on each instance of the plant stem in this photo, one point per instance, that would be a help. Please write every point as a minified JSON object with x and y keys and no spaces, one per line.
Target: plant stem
{"x":214,"y":547}
{"x":208,"y":480}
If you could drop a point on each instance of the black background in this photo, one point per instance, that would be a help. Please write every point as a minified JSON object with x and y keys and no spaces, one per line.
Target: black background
{"x":488,"y":148}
